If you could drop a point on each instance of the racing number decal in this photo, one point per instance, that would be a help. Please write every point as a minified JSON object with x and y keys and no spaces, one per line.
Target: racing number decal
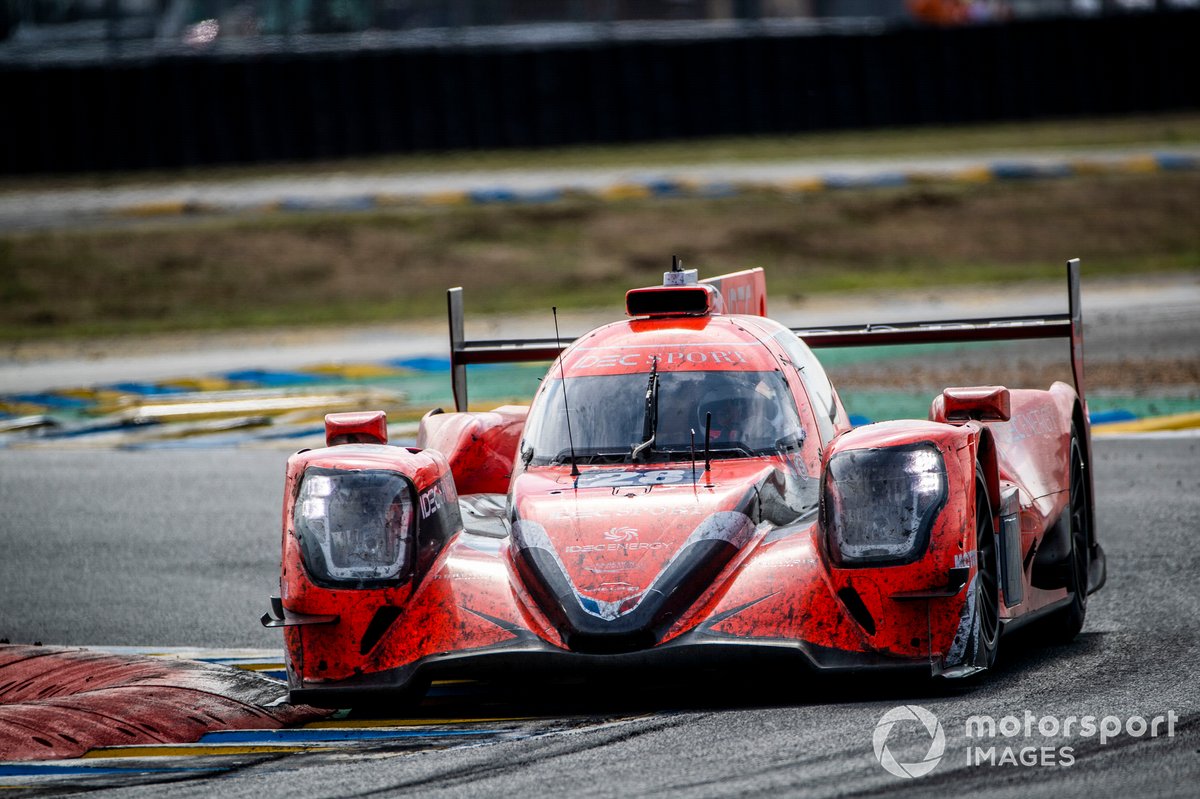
{"x":625,"y":478}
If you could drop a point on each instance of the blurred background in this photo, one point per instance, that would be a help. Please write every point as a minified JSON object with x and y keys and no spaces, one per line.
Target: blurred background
{"x":284,"y":189}
{"x":82,"y":29}
{"x":136,"y":84}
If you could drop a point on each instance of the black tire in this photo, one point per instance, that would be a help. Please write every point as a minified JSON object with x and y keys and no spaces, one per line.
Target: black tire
{"x":987,"y":590}
{"x":1063,"y":625}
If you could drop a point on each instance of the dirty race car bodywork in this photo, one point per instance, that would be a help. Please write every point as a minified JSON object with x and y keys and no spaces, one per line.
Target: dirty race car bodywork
{"x":686,"y":484}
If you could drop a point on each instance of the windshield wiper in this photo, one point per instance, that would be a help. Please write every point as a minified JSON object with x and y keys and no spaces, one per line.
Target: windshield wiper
{"x":732,"y":449}
{"x":650,"y":420}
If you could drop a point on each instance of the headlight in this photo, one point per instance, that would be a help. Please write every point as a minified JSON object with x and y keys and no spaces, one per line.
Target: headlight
{"x":880,"y":504}
{"x":354,"y":527}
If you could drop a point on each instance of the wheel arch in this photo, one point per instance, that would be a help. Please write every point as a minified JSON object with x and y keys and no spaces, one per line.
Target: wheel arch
{"x":986,"y":457}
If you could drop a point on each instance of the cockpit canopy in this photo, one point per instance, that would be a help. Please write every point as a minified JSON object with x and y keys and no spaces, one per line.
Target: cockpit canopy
{"x":752,"y":413}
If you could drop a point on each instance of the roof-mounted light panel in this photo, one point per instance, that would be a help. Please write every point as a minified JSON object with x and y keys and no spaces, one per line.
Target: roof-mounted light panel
{"x":685,"y":300}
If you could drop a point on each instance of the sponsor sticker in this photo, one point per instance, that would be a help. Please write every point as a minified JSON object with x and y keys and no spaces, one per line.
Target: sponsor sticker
{"x":431,"y":501}
{"x":637,"y":361}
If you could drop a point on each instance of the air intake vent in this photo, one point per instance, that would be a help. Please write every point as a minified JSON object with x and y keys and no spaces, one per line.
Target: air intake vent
{"x":379,"y":625}
{"x":858,"y":610}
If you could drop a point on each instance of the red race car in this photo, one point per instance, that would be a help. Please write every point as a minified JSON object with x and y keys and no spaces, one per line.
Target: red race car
{"x":686,"y":486}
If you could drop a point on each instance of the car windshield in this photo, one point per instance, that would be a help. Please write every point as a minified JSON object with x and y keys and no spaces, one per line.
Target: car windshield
{"x":752,"y":414}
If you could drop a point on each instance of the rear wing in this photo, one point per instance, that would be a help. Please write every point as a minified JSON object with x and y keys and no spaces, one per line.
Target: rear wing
{"x":1010,"y":328}
{"x":1068,"y":325}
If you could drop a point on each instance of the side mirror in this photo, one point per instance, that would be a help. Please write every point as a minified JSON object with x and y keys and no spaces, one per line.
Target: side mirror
{"x":366,"y":427}
{"x":985,"y":403}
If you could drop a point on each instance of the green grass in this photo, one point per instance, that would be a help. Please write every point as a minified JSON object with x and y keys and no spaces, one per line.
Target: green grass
{"x":326,"y":269}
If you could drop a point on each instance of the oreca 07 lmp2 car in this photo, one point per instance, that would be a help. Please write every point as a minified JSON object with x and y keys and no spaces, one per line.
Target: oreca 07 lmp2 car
{"x":686,"y":486}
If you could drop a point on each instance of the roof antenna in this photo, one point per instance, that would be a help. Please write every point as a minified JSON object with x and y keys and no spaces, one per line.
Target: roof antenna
{"x":566,"y":405}
{"x":693,"y":457}
{"x":707,"y":455}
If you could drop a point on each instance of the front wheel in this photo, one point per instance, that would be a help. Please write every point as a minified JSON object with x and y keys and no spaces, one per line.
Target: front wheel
{"x":986,"y":632}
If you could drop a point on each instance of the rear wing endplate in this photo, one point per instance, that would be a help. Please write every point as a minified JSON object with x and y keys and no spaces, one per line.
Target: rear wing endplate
{"x":1069,"y":326}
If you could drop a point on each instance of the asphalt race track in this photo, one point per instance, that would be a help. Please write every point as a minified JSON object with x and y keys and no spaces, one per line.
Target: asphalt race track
{"x":180,"y":548}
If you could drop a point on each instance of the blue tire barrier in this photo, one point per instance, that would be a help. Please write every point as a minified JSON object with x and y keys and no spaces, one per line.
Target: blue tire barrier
{"x":495,"y":195}
{"x":880,"y":180}
{"x":1021,"y":170}
{"x":360,"y":203}
{"x":420,"y":364}
{"x":267,"y":379}
{"x":1175,"y":161}
{"x":146,"y":389}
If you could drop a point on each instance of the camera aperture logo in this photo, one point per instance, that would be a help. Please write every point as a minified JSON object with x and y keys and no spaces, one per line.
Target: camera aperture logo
{"x":931,"y":725}
{"x":1025,"y":740}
